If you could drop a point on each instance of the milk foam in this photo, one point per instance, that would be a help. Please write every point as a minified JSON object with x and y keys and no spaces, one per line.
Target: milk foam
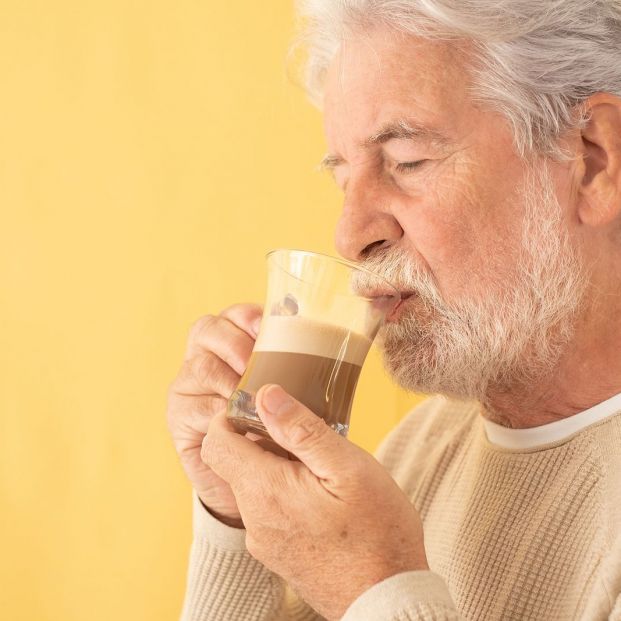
{"x":300,"y":335}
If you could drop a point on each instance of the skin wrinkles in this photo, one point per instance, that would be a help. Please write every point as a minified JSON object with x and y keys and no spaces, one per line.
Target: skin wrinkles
{"x":466,"y":219}
{"x":434,"y":180}
{"x":399,"y":130}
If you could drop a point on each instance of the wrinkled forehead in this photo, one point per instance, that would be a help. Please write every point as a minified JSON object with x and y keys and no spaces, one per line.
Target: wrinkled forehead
{"x":380,"y":73}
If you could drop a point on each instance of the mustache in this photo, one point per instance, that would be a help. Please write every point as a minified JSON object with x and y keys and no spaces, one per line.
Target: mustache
{"x":396,"y":266}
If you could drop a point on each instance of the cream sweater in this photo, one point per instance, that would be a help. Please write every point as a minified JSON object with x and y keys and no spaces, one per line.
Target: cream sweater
{"x":531,"y":534}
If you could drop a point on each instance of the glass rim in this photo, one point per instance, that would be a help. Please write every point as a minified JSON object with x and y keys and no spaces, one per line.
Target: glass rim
{"x":344,"y":262}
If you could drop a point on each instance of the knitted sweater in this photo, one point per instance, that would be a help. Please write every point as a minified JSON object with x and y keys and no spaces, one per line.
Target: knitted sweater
{"x":531,"y":534}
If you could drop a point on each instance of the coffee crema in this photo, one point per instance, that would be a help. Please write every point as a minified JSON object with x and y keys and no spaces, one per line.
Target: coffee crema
{"x":300,"y":335}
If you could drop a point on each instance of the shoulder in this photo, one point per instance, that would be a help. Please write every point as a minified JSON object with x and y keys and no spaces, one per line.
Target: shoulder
{"x":427,"y":432}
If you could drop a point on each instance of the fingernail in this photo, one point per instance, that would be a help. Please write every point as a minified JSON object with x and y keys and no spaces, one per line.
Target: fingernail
{"x":256,"y":324}
{"x":276,"y":400}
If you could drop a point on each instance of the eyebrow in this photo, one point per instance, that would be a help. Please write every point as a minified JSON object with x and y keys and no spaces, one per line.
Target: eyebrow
{"x":401,"y":129}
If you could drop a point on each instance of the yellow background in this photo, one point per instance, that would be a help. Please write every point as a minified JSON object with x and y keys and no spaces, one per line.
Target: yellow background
{"x":151,"y":153}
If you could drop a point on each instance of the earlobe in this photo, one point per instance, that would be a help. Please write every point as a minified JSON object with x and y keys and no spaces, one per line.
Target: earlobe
{"x":600,"y":168}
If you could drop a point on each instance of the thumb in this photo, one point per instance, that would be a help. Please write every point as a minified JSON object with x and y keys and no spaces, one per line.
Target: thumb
{"x":301,"y":432}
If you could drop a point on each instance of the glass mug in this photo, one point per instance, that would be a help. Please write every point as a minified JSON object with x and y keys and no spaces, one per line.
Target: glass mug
{"x":320,"y":317}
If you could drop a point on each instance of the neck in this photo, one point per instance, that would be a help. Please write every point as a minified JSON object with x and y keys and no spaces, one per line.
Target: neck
{"x":588,"y":372}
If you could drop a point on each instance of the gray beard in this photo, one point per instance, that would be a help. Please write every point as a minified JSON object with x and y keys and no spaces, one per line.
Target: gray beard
{"x":514,"y":335}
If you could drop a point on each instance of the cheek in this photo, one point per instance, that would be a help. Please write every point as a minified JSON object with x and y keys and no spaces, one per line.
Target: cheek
{"x":439,"y":226}
{"x":464,"y":234}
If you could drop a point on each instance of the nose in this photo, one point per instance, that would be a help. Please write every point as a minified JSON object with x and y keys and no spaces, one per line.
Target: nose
{"x":366,"y":220}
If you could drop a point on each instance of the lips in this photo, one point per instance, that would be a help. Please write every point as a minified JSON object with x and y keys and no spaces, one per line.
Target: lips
{"x":379,"y":293}
{"x":395,"y":311}
{"x":384,"y":299}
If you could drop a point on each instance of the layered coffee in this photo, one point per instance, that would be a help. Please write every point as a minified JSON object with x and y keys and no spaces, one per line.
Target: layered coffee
{"x":317,"y":363}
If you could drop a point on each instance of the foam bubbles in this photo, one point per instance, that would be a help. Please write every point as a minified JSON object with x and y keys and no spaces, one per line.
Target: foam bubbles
{"x":300,"y":335}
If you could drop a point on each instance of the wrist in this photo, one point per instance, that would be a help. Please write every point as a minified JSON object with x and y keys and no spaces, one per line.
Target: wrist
{"x":233,"y":522}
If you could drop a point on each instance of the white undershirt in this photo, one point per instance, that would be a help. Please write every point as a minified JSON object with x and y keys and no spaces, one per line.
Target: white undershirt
{"x":552,"y":432}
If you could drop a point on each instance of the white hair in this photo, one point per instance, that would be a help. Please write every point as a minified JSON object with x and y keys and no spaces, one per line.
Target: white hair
{"x":535,"y":61}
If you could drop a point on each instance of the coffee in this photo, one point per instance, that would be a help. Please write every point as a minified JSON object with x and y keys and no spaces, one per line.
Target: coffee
{"x":317,"y":363}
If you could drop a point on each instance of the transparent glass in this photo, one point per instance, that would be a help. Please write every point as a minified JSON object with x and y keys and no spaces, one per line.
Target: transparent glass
{"x":320,"y":317}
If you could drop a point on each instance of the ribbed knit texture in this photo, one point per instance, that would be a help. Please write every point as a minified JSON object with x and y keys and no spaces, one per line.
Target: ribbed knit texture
{"x":509,"y":534}
{"x":225,"y":583}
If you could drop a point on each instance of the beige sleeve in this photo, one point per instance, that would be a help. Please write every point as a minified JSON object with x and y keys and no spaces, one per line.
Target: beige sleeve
{"x":225,"y":583}
{"x":410,"y":596}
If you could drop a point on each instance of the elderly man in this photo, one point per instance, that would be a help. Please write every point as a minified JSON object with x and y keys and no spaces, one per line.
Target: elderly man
{"x":478,"y":147}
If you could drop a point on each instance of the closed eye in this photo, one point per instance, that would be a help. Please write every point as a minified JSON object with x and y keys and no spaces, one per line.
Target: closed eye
{"x":405,"y":167}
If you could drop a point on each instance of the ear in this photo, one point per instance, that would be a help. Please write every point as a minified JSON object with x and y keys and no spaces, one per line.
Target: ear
{"x":599,"y":185}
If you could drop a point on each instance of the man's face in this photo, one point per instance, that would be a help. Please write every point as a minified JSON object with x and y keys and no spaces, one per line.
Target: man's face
{"x":465,"y":222}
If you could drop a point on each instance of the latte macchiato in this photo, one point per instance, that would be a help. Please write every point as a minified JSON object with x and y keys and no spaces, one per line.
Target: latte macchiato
{"x":317,"y":363}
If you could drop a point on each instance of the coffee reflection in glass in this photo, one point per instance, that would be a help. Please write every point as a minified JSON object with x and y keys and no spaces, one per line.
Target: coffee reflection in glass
{"x":320,"y":318}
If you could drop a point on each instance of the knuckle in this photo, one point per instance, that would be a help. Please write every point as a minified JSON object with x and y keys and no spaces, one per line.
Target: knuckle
{"x":205,"y":447}
{"x":214,"y":452}
{"x":276,"y":480}
{"x":211,"y":373}
{"x":351,"y":478}
{"x":355,"y":473}
{"x":199,"y":414}
{"x":240,"y":350}
{"x":308,"y":430}
{"x":175,"y":387}
{"x":209,"y":449}
{"x":205,"y":369}
{"x":244,"y":309}
{"x":242,"y":315}
{"x":200,"y":325}
{"x":215,"y":404}
{"x":224,"y":379}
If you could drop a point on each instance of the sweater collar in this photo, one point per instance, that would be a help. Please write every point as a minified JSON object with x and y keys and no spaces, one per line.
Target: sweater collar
{"x":534,"y":437}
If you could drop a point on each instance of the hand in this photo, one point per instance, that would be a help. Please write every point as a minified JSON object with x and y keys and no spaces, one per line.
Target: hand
{"x":217,"y":354}
{"x":332,"y":524}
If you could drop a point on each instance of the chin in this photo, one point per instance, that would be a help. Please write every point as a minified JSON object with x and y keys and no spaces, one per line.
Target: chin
{"x":413,"y":362}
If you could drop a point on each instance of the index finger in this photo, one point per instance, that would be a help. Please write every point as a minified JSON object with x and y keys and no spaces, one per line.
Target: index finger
{"x":243,"y":316}
{"x":233,"y":456}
